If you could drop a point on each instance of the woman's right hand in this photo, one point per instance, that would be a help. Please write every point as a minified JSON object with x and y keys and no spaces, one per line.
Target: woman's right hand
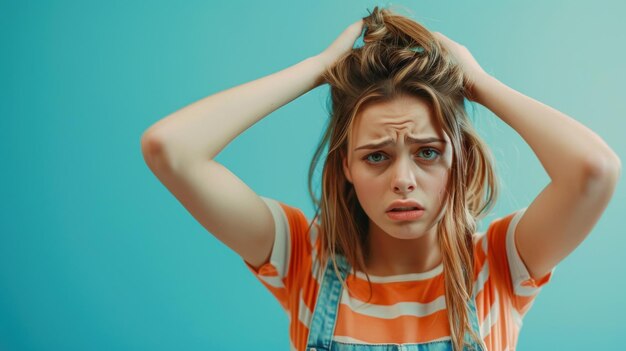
{"x":344,"y":43}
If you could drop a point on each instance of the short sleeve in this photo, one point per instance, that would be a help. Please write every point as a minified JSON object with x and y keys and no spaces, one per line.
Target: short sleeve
{"x":510,"y":273}
{"x":290,"y":251}
{"x":523,"y":283}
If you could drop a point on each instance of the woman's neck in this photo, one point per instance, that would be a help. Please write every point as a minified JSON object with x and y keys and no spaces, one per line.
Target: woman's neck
{"x":392,"y":256}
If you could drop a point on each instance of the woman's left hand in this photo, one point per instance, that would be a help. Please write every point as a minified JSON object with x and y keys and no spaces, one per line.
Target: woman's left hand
{"x":471,"y":69}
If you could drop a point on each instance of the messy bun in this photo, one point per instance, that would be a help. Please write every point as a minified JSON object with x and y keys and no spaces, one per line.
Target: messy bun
{"x":394,"y":44}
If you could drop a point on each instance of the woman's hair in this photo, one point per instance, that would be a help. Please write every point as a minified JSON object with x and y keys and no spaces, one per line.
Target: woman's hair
{"x":401,"y":57}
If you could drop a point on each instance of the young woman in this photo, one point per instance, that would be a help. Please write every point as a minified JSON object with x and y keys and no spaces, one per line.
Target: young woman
{"x":392,"y":260}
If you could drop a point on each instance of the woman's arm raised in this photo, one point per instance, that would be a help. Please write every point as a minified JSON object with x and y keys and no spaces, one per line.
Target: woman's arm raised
{"x":180,"y":148}
{"x":198,"y":132}
{"x":201,"y":130}
{"x":583,"y":169}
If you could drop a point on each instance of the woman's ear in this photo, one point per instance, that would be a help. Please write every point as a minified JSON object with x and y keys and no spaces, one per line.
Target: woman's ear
{"x":346,"y":169}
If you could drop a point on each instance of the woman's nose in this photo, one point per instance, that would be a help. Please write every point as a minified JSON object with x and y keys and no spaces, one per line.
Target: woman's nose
{"x":404,"y":177}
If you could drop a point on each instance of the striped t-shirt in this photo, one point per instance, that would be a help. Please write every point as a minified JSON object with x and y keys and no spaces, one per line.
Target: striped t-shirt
{"x":406,"y":308}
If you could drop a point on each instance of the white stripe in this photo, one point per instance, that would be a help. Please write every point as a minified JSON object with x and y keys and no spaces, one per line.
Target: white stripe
{"x":491,"y":318}
{"x":305,"y":315}
{"x":484,"y":243}
{"x":281,"y":250}
{"x":516,"y":316}
{"x":395,"y":310}
{"x":315,"y":264}
{"x":478,"y":236}
{"x":313,"y":234}
{"x":526,"y":290}
{"x":351,"y":340}
{"x":275,"y":281}
{"x":403,"y":277}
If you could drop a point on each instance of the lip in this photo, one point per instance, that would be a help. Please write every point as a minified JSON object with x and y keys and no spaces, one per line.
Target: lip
{"x":405,"y":203}
{"x":405,"y":215}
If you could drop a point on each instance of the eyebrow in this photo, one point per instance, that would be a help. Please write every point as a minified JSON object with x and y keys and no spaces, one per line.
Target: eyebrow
{"x":410,"y":140}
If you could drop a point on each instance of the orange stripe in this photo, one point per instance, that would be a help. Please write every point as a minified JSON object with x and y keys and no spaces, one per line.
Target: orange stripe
{"x":270,"y":271}
{"x":404,"y":329}
{"x":488,"y":294}
{"x":309,"y":292}
{"x":422,"y":291}
{"x":298,"y":333}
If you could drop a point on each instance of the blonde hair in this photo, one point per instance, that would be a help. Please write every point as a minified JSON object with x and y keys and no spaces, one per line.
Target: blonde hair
{"x":400,"y":56}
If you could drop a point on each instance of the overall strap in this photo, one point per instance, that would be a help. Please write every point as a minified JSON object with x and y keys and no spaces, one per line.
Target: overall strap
{"x":473,"y":316}
{"x":322,"y":325}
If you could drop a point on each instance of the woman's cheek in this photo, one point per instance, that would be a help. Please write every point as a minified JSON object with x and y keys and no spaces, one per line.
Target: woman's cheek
{"x":443,"y":185}
{"x":368,"y":192}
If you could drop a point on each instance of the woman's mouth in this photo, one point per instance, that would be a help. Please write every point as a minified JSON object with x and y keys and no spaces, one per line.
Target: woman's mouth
{"x":405,"y":214}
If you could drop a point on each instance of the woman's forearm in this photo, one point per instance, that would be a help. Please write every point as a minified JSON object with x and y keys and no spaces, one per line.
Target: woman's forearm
{"x":202,"y":129}
{"x":569,"y":151}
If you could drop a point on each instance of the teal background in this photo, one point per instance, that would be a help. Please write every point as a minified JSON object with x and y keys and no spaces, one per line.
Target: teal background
{"x":96,"y":254}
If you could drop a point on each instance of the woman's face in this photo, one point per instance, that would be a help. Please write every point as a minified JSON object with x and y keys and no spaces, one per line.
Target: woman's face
{"x":401,"y":169}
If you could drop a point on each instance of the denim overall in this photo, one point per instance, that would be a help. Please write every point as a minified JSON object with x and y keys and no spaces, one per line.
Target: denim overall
{"x":324,"y":317}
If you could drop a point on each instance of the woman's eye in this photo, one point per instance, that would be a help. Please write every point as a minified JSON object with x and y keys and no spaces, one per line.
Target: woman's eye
{"x":431,"y":151}
{"x":375,"y":160}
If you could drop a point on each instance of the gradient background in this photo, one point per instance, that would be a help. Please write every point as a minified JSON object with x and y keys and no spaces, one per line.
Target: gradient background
{"x":96,"y":254}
